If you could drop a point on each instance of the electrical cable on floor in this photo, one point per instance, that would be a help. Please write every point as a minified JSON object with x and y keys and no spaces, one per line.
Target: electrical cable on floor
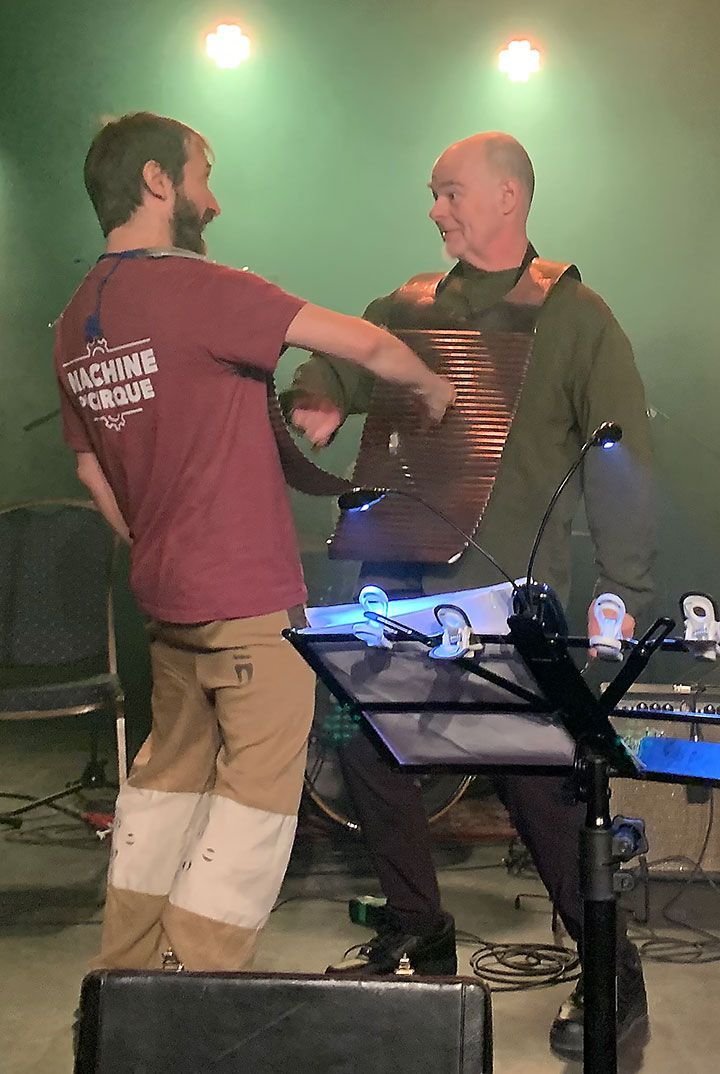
{"x":675,"y":949}
{"x":480,"y":867}
{"x":517,"y":967}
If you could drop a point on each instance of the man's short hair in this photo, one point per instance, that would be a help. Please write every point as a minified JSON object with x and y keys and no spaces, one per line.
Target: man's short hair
{"x":510,"y":158}
{"x":119,"y":152}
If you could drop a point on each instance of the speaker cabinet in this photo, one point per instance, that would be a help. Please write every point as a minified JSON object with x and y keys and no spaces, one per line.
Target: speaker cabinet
{"x":679,"y":819}
{"x":229,"y":1023}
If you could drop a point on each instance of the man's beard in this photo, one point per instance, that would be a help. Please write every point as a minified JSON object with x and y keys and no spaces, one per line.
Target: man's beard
{"x":448,"y":258}
{"x":188,"y":225}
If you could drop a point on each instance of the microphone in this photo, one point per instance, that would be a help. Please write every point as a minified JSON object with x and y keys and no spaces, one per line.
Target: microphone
{"x":533,"y":594}
{"x":362,"y":499}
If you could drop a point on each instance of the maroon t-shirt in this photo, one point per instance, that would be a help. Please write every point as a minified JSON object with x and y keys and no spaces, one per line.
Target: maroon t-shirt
{"x":172,"y":400}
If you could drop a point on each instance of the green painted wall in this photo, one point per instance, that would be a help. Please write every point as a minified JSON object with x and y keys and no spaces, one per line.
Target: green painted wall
{"x":324,"y":143}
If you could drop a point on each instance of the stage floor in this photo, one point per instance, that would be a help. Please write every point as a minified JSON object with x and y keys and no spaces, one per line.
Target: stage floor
{"x":51,"y":891}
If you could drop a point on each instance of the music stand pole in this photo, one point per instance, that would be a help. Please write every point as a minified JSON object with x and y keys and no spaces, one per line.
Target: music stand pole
{"x":599,"y":943}
{"x":599,"y":754}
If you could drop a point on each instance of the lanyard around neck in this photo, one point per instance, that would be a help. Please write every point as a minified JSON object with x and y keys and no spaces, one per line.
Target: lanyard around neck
{"x":93,"y":327}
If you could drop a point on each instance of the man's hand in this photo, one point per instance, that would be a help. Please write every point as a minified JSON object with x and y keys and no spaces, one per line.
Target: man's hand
{"x":437,"y":396}
{"x":316,"y":418}
{"x":628,"y":627}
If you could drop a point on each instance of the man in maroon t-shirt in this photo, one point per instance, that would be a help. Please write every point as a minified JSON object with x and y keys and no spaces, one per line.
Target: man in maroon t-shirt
{"x":162,"y":359}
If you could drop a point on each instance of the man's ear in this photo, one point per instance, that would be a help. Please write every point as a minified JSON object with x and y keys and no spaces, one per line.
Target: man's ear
{"x":511,"y":195}
{"x":156,"y":181}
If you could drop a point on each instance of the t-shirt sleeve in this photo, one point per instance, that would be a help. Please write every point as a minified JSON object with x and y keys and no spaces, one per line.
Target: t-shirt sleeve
{"x":74,"y":432}
{"x":241,"y":317}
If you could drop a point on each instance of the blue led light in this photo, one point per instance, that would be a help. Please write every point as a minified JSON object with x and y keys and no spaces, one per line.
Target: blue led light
{"x":607,"y":444}
{"x":361,"y":506}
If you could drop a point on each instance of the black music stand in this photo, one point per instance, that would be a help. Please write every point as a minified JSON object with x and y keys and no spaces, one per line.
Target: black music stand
{"x":536,"y":715}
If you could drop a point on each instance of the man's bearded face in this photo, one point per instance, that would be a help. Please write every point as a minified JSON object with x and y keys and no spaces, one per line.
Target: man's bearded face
{"x":188,"y":224}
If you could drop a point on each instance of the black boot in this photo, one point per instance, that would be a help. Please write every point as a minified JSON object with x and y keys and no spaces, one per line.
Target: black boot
{"x":429,"y":950}
{"x":566,"y":1032}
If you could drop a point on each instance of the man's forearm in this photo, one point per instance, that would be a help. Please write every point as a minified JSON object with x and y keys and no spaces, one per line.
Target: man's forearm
{"x":94,"y":480}
{"x":346,"y":385}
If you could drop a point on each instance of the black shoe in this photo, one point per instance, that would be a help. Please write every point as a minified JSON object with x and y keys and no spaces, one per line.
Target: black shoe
{"x":566,"y":1032}
{"x":430,"y":952}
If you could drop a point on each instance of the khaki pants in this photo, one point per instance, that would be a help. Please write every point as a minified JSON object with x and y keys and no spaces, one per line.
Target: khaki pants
{"x":204,"y":825}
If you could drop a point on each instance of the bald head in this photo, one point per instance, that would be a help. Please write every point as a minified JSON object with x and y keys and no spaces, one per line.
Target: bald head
{"x":483,"y":187}
{"x":500,"y":153}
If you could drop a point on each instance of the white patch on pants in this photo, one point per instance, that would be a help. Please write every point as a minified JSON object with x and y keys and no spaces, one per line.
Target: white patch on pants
{"x":234,"y":872}
{"x":151,"y":835}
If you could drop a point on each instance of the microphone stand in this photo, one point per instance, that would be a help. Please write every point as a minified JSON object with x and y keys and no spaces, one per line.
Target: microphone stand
{"x":607,"y":434}
{"x":41,"y":421}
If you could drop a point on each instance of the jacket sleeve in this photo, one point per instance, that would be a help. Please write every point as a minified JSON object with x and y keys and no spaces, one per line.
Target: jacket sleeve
{"x":617,"y":482}
{"x":344,"y":383}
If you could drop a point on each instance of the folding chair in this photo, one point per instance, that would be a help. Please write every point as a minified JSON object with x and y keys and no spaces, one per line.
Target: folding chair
{"x":57,"y":641}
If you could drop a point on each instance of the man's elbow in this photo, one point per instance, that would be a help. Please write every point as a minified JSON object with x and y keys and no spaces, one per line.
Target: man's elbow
{"x":375,"y":347}
{"x":86,"y":468}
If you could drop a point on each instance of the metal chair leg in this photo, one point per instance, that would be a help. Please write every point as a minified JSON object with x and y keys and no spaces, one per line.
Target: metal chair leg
{"x":121,"y":741}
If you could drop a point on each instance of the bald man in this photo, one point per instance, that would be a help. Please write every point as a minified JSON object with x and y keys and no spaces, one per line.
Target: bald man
{"x":579,"y":372}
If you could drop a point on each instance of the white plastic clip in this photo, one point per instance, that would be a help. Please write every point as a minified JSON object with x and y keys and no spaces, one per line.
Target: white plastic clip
{"x":609,"y":611}
{"x":701,"y":624}
{"x":372,"y":599}
{"x":456,"y":633}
